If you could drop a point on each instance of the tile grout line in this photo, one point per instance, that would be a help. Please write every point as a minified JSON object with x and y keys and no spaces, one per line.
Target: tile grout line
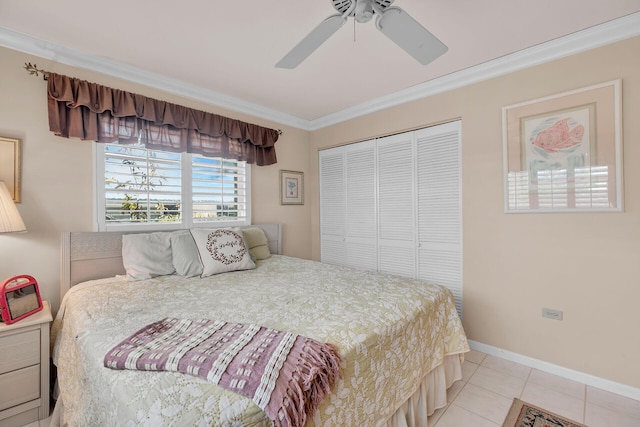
{"x":449,"y":404}
{"x":467,"y":382}
{"x":477,"y":415}
{"x":528,"y":381}
{"x":525,"y":383}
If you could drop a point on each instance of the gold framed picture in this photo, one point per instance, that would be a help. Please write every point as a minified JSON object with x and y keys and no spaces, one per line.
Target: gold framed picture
{"x":10,"y":166}
{"x":291,"y":188}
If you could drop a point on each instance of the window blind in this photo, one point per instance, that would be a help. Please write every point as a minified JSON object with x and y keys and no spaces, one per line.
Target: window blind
{"x":219,"y":189}
{"x":140,"y":186}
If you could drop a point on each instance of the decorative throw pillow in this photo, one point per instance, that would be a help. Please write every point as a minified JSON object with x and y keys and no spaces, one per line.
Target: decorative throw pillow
{"x":186,"y":259}
{"x":222,"y":250}
{"x":147,"y":255}
{"x":257,"y":242}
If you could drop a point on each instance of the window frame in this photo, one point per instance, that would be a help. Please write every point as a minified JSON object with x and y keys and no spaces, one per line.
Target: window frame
{"x":186,"y":221}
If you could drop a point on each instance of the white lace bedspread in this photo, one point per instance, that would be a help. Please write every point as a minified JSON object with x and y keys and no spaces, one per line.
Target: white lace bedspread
{"x":391,"y":332}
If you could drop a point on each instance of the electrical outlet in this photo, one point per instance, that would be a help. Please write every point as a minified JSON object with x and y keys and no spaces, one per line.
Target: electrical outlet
{"x":552,"y":314}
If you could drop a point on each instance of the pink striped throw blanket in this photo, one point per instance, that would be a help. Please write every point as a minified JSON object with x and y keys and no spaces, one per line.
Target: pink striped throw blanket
{"x":285,"y":374}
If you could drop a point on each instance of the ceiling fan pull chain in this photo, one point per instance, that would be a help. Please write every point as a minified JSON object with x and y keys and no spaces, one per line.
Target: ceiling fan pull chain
{"x":354,"y":30}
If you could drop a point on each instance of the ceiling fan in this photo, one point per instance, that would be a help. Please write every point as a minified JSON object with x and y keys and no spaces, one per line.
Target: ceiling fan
{"x":394,"y":23}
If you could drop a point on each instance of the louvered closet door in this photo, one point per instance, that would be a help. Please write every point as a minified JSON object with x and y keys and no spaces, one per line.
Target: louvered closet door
{"x":440,"y":207}
{"x":396,"y":211}
{"x":394,"y":204}
{"x":332,"y":206}
{"x":361,"y":206}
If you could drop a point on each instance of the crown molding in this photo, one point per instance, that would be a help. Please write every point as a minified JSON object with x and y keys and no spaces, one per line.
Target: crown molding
{"x":591,"y":38}
{"x":600,"y":35}
{"x":75,"y":58}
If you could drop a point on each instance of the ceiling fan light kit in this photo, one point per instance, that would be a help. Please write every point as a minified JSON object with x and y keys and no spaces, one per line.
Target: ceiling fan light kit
{"x":364,"y":11}
{"x":393,"y":22}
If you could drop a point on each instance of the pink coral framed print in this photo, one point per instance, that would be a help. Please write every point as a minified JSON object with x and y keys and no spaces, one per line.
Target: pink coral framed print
{"x":563,"y":153}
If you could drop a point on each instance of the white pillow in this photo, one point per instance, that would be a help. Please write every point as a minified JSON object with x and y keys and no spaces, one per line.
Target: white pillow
{"x":186,"y":259}
{"x":222,"y":250}
{"x":147,"y":255}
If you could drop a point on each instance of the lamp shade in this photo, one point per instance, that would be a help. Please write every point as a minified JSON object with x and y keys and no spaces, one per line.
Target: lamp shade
{"x":10,"y":219}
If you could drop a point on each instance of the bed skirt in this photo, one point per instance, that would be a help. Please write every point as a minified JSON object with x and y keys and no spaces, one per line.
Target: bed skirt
{"x":430,"y":396}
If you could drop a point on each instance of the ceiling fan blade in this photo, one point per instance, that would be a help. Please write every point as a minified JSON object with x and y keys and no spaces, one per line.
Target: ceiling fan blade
{"x":312,"y":41}
{"x":407,"y":33}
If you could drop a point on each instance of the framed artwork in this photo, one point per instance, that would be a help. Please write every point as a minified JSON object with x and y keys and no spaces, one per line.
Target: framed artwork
{"x":563,"y":153}
{"x":10,"y":166}
{"x":291,"y":188}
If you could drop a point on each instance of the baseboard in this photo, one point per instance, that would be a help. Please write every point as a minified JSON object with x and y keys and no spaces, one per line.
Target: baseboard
{"x":604,"y":384}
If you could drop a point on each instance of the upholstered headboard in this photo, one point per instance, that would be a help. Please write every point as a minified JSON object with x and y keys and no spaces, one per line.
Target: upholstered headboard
{"x":94,"y":255}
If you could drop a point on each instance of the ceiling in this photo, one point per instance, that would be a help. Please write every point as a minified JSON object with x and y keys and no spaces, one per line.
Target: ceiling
{"x":224,"y":53}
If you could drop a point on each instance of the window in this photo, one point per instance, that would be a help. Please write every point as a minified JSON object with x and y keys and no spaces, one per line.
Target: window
{"x":139,"y":188}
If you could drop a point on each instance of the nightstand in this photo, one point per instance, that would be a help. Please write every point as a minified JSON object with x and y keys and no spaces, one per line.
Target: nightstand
{"x":24,"y":369}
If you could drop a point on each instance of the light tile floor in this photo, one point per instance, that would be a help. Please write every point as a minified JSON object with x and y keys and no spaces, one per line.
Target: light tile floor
{"x":484,"y":395}
{"x":489,"y":384}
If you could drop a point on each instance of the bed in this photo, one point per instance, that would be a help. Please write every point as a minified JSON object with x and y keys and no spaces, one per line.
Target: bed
{"x":400,"y":340}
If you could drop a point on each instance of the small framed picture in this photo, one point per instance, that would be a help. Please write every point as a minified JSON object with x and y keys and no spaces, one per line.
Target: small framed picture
{"x":291,"y":188}
{"x":10,"y":166}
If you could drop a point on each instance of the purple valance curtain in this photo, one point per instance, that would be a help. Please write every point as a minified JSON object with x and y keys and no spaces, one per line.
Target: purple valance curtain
{"x":89,"y":111}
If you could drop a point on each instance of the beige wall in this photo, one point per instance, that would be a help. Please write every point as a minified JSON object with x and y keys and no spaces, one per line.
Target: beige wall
{"x":57,"y":174}
{"x":586,"y":264}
